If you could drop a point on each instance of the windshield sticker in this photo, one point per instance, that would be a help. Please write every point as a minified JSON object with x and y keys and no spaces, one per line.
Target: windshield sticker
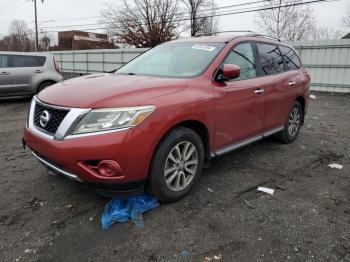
{"x":204,"y":47}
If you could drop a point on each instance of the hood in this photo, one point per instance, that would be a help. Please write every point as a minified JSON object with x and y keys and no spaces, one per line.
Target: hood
{"x":109,"y":90}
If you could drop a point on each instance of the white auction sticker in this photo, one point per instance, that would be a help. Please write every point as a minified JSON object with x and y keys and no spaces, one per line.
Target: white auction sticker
{"x":204,"y":47}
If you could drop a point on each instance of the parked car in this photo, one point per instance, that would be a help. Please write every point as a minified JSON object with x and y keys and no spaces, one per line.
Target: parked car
{"x":158,"y":120}
{"x":23,"y":74}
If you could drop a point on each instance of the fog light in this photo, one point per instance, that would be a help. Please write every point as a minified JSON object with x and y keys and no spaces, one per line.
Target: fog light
{"x":108,"y":168}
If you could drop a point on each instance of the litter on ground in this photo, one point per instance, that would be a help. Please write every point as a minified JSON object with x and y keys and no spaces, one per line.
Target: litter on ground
{"x":312,"y":96}
{"x":266,"y":190}
{"x":248,"y":204}
{"x":337,"y":166}
{"x":120,"y":210}
{"x":211,"y":190}
{"x":185,"y":253}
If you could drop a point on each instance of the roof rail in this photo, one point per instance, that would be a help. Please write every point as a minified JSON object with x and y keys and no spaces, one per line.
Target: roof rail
{"x":219,"y":32}
{"x":265,"y":36}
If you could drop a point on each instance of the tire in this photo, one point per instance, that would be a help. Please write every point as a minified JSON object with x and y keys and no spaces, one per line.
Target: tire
{"x":42,"y":86}
{"x":183,"y":170}
{"x":292,"y":124}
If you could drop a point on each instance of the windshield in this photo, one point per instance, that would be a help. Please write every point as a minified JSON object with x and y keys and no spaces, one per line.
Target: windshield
{"x":174,"y":60}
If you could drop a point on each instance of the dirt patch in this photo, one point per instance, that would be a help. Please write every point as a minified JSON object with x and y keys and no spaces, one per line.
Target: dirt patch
{"x":49,"y":218}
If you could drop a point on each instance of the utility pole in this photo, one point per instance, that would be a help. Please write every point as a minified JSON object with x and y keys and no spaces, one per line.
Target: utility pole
{"x":36,"y":26}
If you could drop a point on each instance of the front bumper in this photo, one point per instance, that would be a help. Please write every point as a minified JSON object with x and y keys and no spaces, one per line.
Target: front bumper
{"x":73,"y":156}
{"x":102,"y":187}
{"x":69,"y":156}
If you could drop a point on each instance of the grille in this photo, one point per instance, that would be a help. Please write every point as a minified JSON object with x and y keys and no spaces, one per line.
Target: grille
{"x":56,"y":117}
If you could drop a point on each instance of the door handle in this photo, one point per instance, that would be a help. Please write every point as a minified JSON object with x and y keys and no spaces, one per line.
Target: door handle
{"x":292,"y":83}
{"x":38,"y":71}
{"x":4,"y":73}
{"x":259,"y":91}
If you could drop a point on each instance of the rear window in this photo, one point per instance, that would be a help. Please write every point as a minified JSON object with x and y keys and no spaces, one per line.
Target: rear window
{"x":271,"y":61}
{"x":290,"y":58}
{"x":27,"y":61}
{"x":3,"y":61}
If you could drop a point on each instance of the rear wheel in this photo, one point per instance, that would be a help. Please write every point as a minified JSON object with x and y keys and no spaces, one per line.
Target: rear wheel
{"x":292,"y":124}
{"x":177,"y":164}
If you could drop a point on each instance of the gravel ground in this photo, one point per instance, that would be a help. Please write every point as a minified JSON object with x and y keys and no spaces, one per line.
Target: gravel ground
{"x":50,"y":218}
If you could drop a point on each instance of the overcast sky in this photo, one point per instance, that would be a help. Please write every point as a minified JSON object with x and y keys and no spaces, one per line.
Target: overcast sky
{"x":328,"y":14}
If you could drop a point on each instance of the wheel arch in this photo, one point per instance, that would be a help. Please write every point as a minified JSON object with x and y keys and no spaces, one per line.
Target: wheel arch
{"x":301,"y":100}
{"x":43,"y":82}
{"x":199,"y":128}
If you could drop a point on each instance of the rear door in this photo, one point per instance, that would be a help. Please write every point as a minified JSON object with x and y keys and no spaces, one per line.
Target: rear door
{"x":275,"y":79}
{"x":239,"y":105}
{"x":26,"y":70}
{"x":296,"y":77}
{"x":5,"y":74}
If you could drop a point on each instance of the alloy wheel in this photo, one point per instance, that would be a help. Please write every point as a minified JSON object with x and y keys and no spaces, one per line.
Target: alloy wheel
{"x":294,"y":121}
{"x":181,"y":166}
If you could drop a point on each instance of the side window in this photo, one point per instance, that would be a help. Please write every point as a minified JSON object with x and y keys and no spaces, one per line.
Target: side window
{"x":290,"y":58}
{"x":243,"y":56}
{"x":28,"y":61}
{"x":270,"y":59}
{"x":3,"y":61}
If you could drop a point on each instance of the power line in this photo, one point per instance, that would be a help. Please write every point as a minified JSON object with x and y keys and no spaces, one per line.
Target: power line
{"x":261,"y":8}
{"x":9,"y":2}
{"x":200,"y":11}
{"x":180,"y":19}
{"x":13,"y":8}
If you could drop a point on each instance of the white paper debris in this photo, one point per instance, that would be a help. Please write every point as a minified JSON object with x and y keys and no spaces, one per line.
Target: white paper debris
{"x":337,"y":166}
{"x":204,"y":47}
{"x":210,"y":190}
{"x":266,"y":190}
{"x":312,"y":96}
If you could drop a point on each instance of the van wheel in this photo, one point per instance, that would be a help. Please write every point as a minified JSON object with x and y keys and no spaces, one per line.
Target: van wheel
{"x":44,"y":85}
{"x":176,"y":165}
{"x":292,"y":124}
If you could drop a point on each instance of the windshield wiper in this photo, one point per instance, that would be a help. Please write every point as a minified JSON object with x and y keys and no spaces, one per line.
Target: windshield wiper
{"x":130,"y":74}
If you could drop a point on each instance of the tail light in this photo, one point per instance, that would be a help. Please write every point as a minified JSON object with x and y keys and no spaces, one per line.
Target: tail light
{"x":57,"y":65}
{"x":308,"y":75}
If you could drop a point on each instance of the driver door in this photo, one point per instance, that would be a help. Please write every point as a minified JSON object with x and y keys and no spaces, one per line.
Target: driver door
{"x":240,"y":102}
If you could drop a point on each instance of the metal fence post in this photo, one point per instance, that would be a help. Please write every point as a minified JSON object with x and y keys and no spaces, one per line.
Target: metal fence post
{"x":103,"y":61}
{"x":73,"y":58}
{"x":61,"y":62}
{"x":87,"y":62}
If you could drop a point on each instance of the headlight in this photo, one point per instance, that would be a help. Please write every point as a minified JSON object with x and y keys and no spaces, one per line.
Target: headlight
{"x":114,"y":118}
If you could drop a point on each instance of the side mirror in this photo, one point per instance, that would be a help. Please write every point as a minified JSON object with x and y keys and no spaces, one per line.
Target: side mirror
{"x":231,"y":71}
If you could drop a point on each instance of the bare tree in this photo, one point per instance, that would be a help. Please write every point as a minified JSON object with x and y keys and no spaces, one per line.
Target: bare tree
{"x":201,"y":15}
{"x":144,"y":23}
{"x":325,"y":33}
{"x":286,"y":20}
{"x":346,"y":19}
{"x":45,"y":42}
{"x":19,"y":37}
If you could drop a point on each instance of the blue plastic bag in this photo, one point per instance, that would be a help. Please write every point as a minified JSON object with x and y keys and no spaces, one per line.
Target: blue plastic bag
{"x":118,"y":210}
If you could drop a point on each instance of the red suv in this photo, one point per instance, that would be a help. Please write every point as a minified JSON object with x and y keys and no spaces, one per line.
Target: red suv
{"x":156,"y":121}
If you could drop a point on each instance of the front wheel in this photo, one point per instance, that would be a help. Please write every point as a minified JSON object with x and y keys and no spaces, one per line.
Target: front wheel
{"x":176,"y":165}
{"x":292,"y":124}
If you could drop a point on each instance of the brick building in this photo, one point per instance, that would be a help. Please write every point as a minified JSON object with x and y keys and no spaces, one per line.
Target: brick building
{"x":78,"y":40}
